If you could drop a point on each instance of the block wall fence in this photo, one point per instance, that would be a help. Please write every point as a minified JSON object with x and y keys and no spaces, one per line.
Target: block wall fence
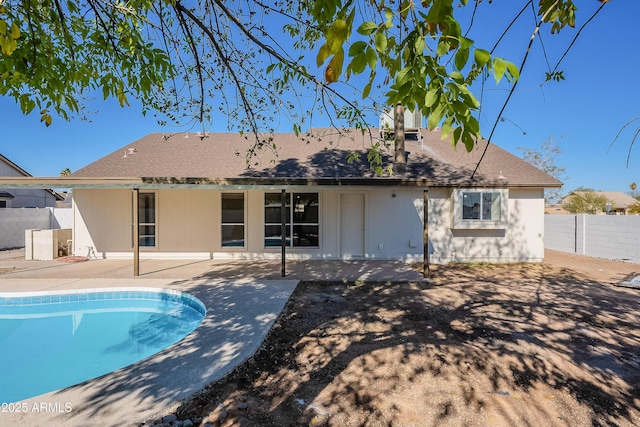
{"x":14,"y":222}
{"x":600,"y":236}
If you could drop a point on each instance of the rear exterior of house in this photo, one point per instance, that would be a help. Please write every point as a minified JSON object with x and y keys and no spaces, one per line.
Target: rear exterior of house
{"x":327,"y":223}
{"x":334,"y":209}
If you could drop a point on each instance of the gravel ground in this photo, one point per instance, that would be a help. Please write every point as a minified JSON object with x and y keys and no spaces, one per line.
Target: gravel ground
{"x":552,"y":344}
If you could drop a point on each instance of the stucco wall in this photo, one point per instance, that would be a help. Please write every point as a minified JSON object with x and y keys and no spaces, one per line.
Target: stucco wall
{"x":188,"y":224}
{"x":522,"y":239}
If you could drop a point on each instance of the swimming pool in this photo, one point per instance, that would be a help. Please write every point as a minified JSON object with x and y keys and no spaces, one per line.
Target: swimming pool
{"x":53,"y":340}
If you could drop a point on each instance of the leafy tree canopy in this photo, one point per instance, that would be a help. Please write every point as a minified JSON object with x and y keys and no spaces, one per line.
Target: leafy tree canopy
{"x":258,"y":62}
{"x":588,"y":202}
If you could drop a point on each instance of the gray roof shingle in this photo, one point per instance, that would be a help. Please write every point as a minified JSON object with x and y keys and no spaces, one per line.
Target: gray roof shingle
{"x":317,"y":157}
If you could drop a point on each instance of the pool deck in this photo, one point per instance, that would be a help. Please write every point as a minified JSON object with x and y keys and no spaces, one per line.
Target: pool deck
{"x":243,"y":299}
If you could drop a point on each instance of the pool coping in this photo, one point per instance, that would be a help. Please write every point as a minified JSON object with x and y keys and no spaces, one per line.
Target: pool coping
{"x":239,"y":314}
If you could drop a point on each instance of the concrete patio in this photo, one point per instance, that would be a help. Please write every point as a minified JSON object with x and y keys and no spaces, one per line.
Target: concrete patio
{"x":302,"y":270}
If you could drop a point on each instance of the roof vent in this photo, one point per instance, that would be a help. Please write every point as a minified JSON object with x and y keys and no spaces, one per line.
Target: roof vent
{"x":129,"y":151}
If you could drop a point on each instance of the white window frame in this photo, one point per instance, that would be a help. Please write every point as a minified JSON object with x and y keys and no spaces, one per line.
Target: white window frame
{"x":457,"y":211}
{"x":244,"y":223}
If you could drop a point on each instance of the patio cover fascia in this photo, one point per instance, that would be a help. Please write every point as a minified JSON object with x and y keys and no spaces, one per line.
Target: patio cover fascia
{"x":203,"y":183}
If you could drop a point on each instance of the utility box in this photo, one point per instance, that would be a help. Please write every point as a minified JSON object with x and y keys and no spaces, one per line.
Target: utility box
{"x":45,"y":245}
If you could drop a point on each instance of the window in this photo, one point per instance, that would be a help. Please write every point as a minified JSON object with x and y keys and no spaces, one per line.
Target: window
{"x":302,"y":222}
{"x":147,"y":219}
{"x":3,"y":203}
{"x":232,"y":228}
{"x":477,"y":208}
{"x":481,"y":206}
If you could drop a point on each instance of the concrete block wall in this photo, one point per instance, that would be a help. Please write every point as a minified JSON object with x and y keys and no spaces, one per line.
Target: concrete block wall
{"x":616,"y":237}
{"x":559,"y":232}
{"x":601,"y":236}
{"x":14,"y":222}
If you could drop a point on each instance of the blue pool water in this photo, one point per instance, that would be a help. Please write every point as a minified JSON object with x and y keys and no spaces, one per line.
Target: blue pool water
{"x":55,"y":340}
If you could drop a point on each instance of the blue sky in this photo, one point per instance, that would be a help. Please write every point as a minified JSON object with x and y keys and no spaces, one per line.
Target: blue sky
{"x":583,"y":113}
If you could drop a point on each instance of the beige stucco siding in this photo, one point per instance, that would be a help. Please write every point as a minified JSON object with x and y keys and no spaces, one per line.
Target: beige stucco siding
{"x":186,"y":220}
{"x":188,"y":225}
{"x":102,"y":221}
{"x":520,"y":240}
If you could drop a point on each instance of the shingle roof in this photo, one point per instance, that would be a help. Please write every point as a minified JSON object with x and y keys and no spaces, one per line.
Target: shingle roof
{"x":321,"y":156}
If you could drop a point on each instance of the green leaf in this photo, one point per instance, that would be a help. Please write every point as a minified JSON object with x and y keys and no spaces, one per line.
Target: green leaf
{"x":513,"y":74}
{"x":401,"y":77}
{"x":481,"y":57}
{"x":473,"y":126}
{"x":468,"y":141}
{"x":367,"y":87}
{"x":357,"y":48}
{"x":381,"y":42}
{"x":436,"y":116}
{"x":15,"y":31}
{"x":46,"y":118}
{"x":366,"y":90}
{"x":338,"y":32}
{"x":367,"y":28}
{"x":323,"y":54}
{"x":372,"y":57}
{"x":462,"y":56}
{"x":446,"y":127}
{"x":457,"y":77}
{"x":456,"y":136}
{"x":498,"y":67}
{"x":443,"y":47}
{"x":334,"y":69}
{"x":388,"y":14}
{"x":359,"y":63}
{"x":431,"y":98}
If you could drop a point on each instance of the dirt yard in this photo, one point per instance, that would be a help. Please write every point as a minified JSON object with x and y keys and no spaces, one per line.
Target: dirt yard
{"x":555,"y":344}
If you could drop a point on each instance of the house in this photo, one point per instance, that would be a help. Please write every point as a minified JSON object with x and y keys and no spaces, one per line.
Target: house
{"x":23,"y":197}
{"x":200,"y":196}
{"x":620,"y":202}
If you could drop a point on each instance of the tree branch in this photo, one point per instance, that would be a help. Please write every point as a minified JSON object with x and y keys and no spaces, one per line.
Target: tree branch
{"x":513,"y":88}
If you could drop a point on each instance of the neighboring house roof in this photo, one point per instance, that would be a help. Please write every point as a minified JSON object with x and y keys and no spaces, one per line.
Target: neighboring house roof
{"x":5,"y":195}
{"x":556,"y":209}
{"x":618,"y":199}
{"x":25,"y":173}
{"x":320,"y":158}
{"x":67,"y":200}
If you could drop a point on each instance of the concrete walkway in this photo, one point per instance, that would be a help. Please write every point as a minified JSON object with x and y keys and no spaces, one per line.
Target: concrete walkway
{"x":243,"y":299}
